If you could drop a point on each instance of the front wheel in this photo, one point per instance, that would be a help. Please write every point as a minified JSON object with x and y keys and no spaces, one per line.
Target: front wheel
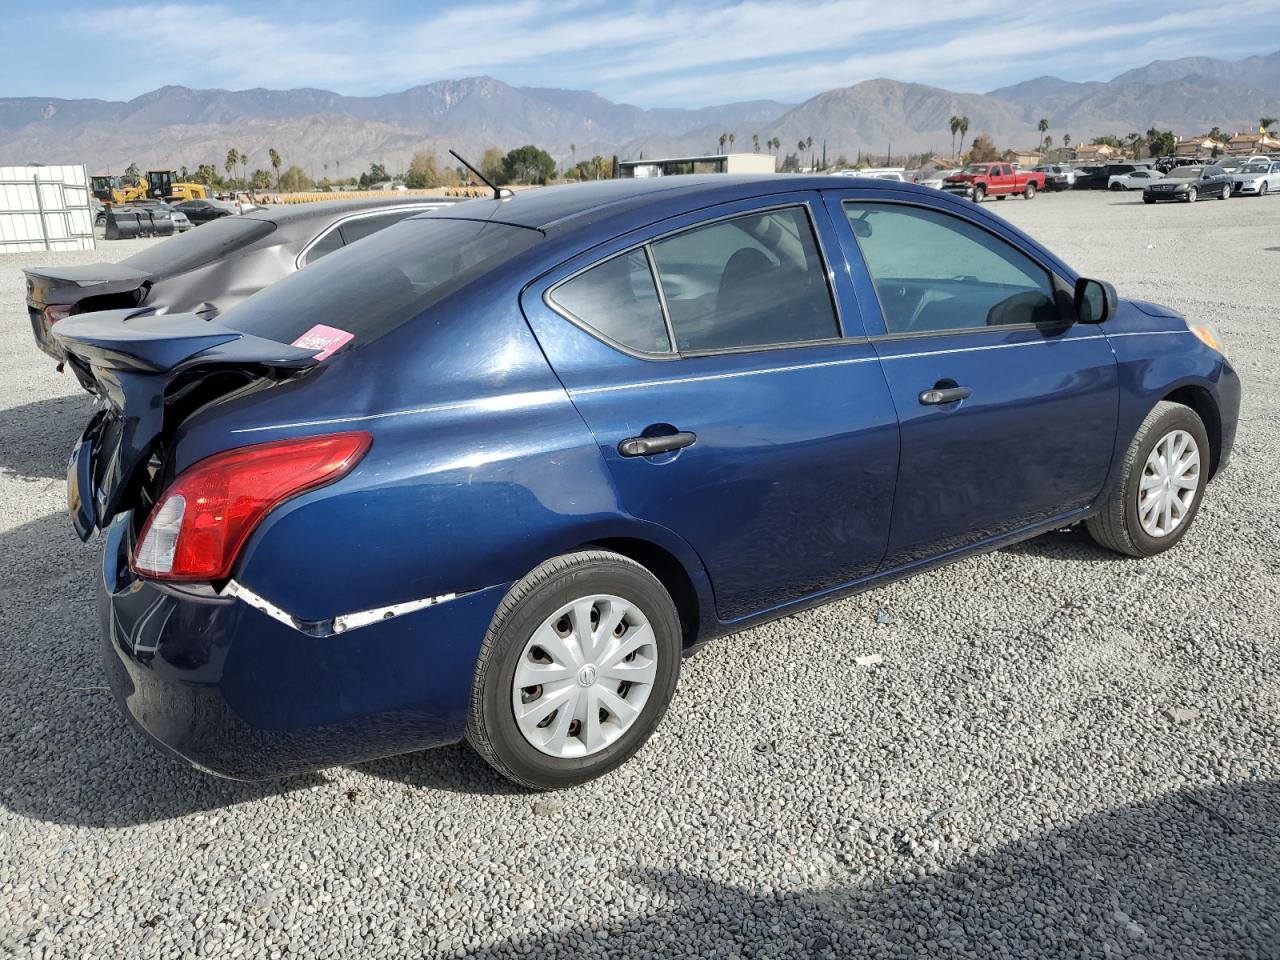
{"x":1226,"y":192}
{"x":1116,"y":187}
{"x":979,"y":193}
{"x":1262,"y":189}
{"x":1192,"y":195}
{"x":576,"y":670}
{"x":1160,"y":485}
{"x":1029,"y":193}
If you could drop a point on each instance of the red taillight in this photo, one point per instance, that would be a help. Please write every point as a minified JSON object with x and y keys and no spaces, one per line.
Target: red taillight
{"x":56,"y":312}
{"x":197,"y":528}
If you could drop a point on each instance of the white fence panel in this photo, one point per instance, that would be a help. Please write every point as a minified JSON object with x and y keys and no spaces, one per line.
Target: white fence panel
{"x":45,"y":208}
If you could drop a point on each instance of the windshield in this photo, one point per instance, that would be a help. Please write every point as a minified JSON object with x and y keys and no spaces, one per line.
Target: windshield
{"x":1255,"y":168}
{"x":976,"y":168}
{"x":190,"y":250}
{"x":1185,"y":173}
{"x":364,"y":290}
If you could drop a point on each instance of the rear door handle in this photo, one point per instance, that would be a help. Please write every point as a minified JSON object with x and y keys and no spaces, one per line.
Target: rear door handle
{"x":944,"y":395}
{"x":648,"y":446}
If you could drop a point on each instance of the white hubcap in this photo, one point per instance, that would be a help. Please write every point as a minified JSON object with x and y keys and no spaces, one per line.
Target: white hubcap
{"x":584,"y":676}
{"x":1169,"y":483}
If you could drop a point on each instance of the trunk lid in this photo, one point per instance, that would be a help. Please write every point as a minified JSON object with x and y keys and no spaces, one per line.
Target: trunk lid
{"x":152,"y":373}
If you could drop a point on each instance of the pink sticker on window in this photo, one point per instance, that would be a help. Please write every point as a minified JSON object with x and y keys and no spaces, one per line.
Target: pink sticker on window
{"x":325,"y":340}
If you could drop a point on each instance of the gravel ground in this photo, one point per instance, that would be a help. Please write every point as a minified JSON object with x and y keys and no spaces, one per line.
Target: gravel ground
{"x":1061,"y":753}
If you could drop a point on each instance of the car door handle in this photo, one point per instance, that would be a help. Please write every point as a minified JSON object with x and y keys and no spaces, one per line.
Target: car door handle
{"x":648,"y":446}
{"x":944,"y":395}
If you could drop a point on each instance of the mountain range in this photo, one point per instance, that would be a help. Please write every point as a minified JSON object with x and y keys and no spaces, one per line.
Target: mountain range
{"x":329,"y":133}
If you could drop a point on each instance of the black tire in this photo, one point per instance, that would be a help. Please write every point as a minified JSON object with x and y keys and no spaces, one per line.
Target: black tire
{"x":1192,"y":195}
{"x":492,"y":729}
{"x":1116,"y":526}
{"x":1262,"y":189}
{"x":1116,"y":187}
{"x":1029,"y":193}
{"x":979,"y":193}
{"x":1148,"y":199}
{"x":1226,"y":192}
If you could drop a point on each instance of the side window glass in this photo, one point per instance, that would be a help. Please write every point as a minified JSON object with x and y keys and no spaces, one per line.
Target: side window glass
{"x":327,"y":243}
{"x":935,"y":272}
{"x":752,"y":281}
{"x":618,"y":300}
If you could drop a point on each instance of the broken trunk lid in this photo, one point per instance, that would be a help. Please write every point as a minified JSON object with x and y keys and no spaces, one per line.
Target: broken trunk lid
{"x":72,"y":284}
{"x":131,"y":358}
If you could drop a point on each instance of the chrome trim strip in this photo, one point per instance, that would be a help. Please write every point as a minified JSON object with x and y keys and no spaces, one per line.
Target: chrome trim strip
{"x":729,"y":375}
{"x":339,"y":624}
{"x":989,"y":346}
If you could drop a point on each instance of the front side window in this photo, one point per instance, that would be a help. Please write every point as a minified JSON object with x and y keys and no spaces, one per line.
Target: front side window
{"x":935,"y":272}
{"x":752,"y":281}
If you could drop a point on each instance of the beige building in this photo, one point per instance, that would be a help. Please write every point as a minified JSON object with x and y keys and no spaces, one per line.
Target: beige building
{"x":1201,"y":146}
{"x":1247,"y":144}
{"x":1095,"y":151}
{"x":717,"y":163}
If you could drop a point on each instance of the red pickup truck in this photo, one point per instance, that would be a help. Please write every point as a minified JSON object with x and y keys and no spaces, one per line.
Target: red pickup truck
{"x":978,"y":181}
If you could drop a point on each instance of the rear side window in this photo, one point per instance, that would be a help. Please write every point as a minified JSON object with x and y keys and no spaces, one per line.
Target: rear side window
{"x":619,"y":301}
{"x":752,"y":281}
{"x":373,"y":287}
{"x":349,"y":231}
{"x":196,"y":248}
{"x":935,"y":272}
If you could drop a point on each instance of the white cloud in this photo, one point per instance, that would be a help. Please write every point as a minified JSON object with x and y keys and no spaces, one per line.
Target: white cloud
{"x":691,"y":54}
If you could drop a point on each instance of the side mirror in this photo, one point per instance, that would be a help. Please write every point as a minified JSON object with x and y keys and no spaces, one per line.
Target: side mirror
{"x":1095,"y":300}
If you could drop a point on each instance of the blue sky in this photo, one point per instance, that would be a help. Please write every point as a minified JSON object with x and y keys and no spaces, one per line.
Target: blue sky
{"x":688,"y":54}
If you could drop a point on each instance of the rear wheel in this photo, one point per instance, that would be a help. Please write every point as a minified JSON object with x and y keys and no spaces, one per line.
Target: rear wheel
{"x":576,"y":670}
{"x":1029,"y":193}
{"x":1160,"y":486}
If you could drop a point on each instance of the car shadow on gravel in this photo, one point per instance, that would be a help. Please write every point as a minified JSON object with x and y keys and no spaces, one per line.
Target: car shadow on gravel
{"x":1191,"y":874}
{"x":455,"y":768}
{"x":67,"y":755}
{"x":1073,"y":545}
{"x":37,"y":437}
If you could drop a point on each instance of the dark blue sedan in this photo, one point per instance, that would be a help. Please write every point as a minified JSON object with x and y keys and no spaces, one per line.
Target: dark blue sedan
{"x":494,"y":471}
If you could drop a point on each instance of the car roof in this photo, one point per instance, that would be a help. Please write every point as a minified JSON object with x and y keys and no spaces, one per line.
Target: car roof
{"x":327,"y":209}
{"x":572,"y":205}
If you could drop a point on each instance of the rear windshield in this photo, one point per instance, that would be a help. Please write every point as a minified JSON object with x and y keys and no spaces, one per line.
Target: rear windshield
{"x":1185,"y":173}
{"x":206,"y":243}
{"x":366,"y":289}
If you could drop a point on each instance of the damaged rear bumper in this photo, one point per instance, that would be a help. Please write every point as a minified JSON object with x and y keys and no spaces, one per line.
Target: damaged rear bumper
{"x":242,"y":693}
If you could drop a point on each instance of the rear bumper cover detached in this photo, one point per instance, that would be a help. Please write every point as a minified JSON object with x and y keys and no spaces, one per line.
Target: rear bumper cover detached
{"x":241,"y":693}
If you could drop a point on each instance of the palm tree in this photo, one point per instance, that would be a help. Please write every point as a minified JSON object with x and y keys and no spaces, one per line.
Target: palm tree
{"x":724,"y":138}
{"x":233,"y":157}
{"x":1042,"y":126}
{"x":1066,"y":141}
{"x":755,"y":142}
{"x":274,"y":156}
{"x":244,"y":166}
{"x":955,"y":127}
{"x":963,"y":127}
{"x":1048,"y":143}
{"x":777,"y":143}
{"x":1266,"y":123}
{"x":732,"y":137}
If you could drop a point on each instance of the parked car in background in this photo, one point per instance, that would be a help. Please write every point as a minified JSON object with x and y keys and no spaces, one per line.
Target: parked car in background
{"x":209,"y":270}
{"x":1138,"y":179}
{"x":1190,"y":184}
{"x":1099,"y":177}
{"x":495,"y":470}
{"x":1259,"y":178}
{"x":938,"y":178}
{"x":978,"y":181}
{"x":203,"y":211}
{"x":1057,"y":176}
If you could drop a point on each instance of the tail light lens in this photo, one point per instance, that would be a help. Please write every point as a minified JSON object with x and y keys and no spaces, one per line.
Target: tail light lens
{"x":56,"y":312}
{"x":200,"y":523}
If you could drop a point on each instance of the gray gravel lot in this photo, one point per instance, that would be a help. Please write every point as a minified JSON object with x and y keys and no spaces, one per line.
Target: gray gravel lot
{"x":1062,"y":754}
